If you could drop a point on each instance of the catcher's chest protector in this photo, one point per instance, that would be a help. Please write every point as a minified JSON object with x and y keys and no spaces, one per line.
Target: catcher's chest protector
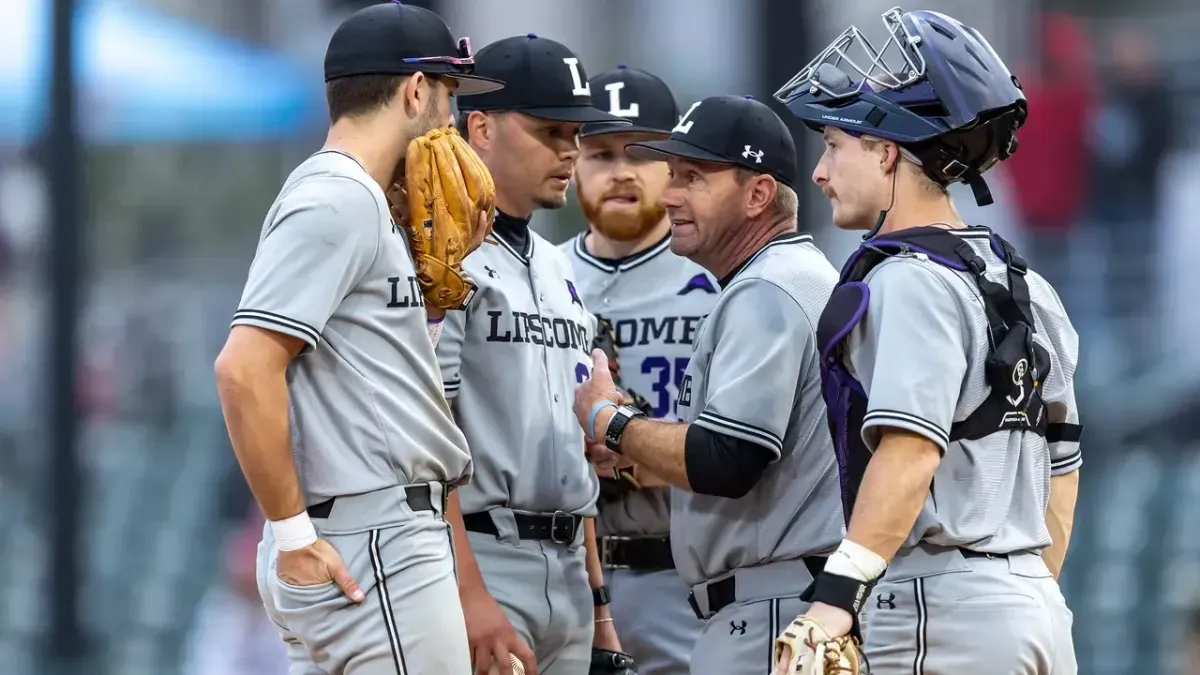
{"x":1016,"y":367}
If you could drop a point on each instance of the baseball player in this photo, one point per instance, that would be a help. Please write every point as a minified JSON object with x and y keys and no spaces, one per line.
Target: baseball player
{"x":948,"y":368}
{"x":529,"y":574}
{"x":654,"y":301}
{"x":757,"y":505}
{"x":329,"y":382}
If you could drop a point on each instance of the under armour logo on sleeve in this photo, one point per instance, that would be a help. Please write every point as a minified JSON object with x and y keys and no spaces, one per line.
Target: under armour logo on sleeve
{"x":737,"y":627}
{"x":888,"y":601}
{"x":756,"y":154}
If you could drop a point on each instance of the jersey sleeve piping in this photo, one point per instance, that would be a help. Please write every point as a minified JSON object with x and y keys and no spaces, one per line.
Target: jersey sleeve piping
{"x":1067,"y":464}
{"x":451,"y":388}
{"x":908,"y":422}
{"x":746,"y":432}
{"x":277,"y":323}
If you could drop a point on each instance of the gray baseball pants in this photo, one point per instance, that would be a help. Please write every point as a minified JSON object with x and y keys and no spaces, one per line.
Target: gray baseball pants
{"x":938,"y":612}
{"x":411,"y":622}
{"x":740,"y":638}
{"x":543,"y":589}
{"x":656,"y":625}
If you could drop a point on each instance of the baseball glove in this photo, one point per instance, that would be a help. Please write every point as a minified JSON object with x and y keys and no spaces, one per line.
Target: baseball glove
{"x":814,"y":652}
{"x":447,"y":189}
{"x":607,"y":662}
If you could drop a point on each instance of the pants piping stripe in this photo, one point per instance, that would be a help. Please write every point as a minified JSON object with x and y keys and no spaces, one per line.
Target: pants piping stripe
{"x":385,"y":602}
{"x":922,"y":626}
{"x":772,"y":633}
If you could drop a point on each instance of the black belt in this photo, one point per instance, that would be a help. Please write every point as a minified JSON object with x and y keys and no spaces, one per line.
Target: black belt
{"x":967,"y":553}
{"x":723,"y":593}
{"x":418,"y":497}
{"x":636,"y":553}
{"x":559,"y":527}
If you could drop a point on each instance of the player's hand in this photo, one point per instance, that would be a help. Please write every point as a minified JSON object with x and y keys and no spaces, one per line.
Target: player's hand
{"x":315,"y":565}
{"x":491,"y":637}
{"x":598,"y":387}
{"x":605,"y":460}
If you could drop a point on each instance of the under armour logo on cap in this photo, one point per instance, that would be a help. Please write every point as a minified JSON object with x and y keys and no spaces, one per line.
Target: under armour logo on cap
{"x":757,"y":155}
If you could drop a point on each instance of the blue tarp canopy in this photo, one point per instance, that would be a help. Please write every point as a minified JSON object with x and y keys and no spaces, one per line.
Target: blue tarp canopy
{"x":146,"y":77}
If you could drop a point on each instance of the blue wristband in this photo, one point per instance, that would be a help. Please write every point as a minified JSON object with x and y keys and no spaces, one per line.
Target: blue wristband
{"x":596,"y":411}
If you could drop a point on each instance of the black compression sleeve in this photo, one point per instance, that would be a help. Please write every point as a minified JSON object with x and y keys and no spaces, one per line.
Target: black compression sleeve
{"x":723,"y":466}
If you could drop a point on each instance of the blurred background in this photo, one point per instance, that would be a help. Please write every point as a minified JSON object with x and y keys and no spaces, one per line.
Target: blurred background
{"x":126,"y":229}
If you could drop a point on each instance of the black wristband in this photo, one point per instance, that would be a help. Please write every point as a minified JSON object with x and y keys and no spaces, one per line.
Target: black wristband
{"x":842,"y":592}
{"x":600,"y":596}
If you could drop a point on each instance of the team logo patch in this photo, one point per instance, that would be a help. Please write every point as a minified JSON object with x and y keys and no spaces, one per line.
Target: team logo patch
{"x":699,"y":282}
{"x":574,"y":295}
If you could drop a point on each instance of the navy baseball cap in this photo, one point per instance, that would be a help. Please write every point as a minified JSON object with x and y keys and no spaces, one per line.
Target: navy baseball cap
{"x":635,"y":95}
{"x":542,"y":78}
{"x":735,"y":130}
{"x":396,"y":39}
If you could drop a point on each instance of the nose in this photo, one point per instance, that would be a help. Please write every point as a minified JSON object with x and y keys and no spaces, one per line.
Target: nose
{"x":623,"y":171}
{"x":820,"y":175}
{"x":671,"y":197}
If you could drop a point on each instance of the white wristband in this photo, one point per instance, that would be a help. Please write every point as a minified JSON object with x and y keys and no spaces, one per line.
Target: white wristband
{"x":856,"y":561}
{"x":435,"y":331}
{"x":293,"y":533}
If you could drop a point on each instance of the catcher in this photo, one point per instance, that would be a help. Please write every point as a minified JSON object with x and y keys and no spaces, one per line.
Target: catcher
{"x":948,"y":368}
{"x":331,"y":334}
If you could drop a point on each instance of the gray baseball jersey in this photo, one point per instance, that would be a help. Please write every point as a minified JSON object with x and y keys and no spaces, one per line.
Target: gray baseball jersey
{"x":754,"y":375}
{"x":512,"y":361}
{"x":990,"y":494}
{"x":656,"y":301}
{"x":332,"y":270}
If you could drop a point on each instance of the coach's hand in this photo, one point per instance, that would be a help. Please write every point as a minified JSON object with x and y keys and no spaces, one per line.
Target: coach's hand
{"x":315,"y":565}
{"x":491,"y":636}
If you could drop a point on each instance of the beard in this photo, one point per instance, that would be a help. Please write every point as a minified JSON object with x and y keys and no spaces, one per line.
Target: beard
{"x":620,"y":225}
{"x":428,"y":121}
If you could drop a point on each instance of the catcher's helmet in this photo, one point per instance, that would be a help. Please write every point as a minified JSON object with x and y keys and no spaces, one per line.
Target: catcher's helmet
{"x":936,"y":87}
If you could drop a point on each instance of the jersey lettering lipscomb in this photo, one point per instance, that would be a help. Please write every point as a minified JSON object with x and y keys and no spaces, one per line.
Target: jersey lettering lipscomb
{"x":754,"y":375}
{"x":656,"y":301}
{"x":511,"y":362}
{"x":332,"y":270}
{"x":990,"y":493}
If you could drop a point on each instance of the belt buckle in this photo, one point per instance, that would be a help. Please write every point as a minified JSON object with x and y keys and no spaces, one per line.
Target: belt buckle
{"x":608,"y":546}
{"x":570,"y":528}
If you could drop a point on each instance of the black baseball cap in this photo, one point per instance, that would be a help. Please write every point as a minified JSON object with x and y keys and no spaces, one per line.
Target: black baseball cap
{"x":542,"y":78}
{"x":634,"y":95}
{"x":396,"y":39}
{"x":736,"y":130}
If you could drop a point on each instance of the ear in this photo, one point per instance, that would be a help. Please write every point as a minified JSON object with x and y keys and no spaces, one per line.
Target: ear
{"x":480,"y":126}
{"x":890,"y":160}
{"x":415,"y":93}
{"x":760,"y":194}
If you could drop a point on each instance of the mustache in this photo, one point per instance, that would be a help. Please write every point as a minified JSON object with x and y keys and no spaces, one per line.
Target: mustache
{"x":623,"y":191}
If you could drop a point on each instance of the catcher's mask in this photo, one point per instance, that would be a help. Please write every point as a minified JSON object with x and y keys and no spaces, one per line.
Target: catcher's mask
{"x":936,"y":87}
